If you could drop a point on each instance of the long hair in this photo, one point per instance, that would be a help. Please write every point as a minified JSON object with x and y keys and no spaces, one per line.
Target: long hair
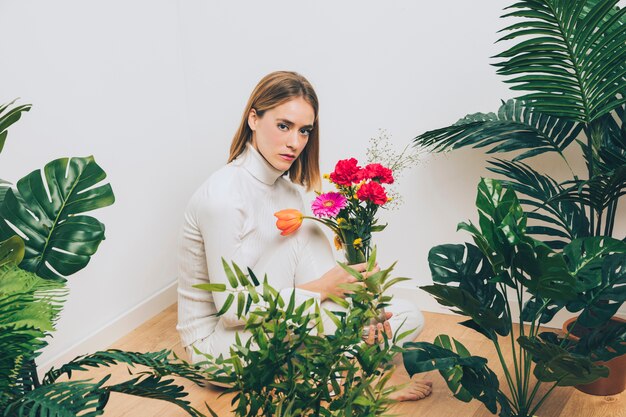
{"x":273,"y":90}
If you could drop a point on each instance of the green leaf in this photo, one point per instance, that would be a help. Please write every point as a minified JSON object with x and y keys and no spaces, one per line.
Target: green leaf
{"x":8,"y":116}
{"x":489,"y":322}
{"x":211,"y":287}
{"x":63,"y":399}
{"x":11,"y":251}
{"x":605,"y":299}
{"x":59,"y":239}
{"x":555,"y":364}
{"x":587,"y":45}
{"x":466,"y":267}
{"x":155,"y":387}
{"x":585,"y":258}
{"x":468,"y":376}
{"x":230,"y":274}
{"x":543,"y":193}
{"x":516,"y":127}
{"x":229,"y":301}
{"x":29,"y":309}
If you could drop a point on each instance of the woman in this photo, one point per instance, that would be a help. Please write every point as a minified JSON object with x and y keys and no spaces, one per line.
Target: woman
{"x":231,"y":216}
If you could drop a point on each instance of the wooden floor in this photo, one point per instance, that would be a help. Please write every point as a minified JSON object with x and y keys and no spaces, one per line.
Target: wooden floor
{"x":159,"y":333}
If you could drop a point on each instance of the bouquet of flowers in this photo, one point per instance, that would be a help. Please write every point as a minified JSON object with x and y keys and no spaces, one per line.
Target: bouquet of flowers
{"x":350,"y":211}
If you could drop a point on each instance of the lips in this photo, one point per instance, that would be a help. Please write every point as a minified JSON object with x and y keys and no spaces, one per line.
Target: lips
{"x":287,"y":157}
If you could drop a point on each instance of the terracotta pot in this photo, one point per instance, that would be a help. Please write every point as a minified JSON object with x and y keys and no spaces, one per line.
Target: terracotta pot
{"x":612,"y":384}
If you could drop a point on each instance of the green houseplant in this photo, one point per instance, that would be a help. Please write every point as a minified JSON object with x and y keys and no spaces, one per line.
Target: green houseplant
{"x":288,"y":367}
{"x":58,"y":239}
{"x":570,"y":60}
{"x":505,"y":267}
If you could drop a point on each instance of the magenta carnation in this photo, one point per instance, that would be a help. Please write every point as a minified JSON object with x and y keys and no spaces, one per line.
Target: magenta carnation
{"x":328,"y":204}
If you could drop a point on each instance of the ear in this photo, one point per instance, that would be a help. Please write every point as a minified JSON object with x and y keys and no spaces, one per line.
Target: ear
{"x":253,"y":118}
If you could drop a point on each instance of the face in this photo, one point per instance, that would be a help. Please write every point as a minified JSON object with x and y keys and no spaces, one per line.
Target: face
{"x":281,"y":133}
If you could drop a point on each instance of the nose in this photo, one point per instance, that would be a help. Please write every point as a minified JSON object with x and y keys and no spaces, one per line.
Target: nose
{"x":292,"y":139}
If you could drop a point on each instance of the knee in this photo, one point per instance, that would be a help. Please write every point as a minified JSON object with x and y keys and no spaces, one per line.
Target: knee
{"x":407,"y":315}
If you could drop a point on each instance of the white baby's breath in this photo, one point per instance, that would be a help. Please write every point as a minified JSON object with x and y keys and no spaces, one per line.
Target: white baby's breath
{"x":381,"y":150}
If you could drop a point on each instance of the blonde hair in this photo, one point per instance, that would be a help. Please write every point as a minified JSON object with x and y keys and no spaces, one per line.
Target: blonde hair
{"x":273,"y":90}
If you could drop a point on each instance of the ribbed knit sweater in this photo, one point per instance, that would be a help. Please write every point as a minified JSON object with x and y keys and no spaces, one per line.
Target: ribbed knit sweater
{"x":231,"y":216}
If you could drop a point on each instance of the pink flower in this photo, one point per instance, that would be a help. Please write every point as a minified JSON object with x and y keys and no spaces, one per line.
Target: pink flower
{"x":347,"y":172}
{"x":328,"y":204}
{"x":378,"y":173}
{"x":372,"y":191}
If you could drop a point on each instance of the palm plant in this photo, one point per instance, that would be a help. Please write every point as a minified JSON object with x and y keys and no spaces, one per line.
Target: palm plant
{"x":570,"y":59}
{"x":57,"y":240}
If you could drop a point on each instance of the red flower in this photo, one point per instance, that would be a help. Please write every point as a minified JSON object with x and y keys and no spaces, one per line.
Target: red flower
{"x":347,"y":172}
{"x":378,"y":173}
{"x":372,"y":191}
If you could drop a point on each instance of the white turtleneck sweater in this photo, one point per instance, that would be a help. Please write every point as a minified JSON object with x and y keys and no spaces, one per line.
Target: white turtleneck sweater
{"x":232,"y":216}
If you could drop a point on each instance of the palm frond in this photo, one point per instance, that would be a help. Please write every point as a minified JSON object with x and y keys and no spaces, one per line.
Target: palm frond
{"x":515,"y":127}
{"x":29,"y":308}
{"x":598,"y":192}
{"x":155,"y":387}
{"x":160,"y":364}
{"x":612,"y":151}
{"x":562,"y":219}
{"x":571,"y":57}
{"x":63,"y":399}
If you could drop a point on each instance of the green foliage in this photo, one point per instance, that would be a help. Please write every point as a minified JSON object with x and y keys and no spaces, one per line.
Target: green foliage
{"x":570,"y":56}
{"x":289,"y":367}
{"x":570,"y":59}
{"x":8,"y":116}
{"x":467,"y":376}
{"x":509,"y":267}
{"x":59,"y":242}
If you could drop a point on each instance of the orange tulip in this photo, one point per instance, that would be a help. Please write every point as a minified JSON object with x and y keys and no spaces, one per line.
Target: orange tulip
{"x":289,"y":220}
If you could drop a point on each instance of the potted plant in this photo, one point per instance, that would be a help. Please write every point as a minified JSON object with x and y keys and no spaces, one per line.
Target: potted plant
{"x":59,"y":241}
{"x":506,"y":267}
{"x":288,"y":367}
{"x":570,"y":60}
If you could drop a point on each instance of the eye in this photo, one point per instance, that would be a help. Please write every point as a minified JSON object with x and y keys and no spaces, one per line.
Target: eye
{"x":305,"y":132}
{"x":283,"y":127}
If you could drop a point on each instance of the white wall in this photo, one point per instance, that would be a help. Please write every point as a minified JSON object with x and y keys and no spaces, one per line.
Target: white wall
{"x":154,"y":89}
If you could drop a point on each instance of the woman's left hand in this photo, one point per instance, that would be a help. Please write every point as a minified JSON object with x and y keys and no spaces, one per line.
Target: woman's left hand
{"x":375,"y":334}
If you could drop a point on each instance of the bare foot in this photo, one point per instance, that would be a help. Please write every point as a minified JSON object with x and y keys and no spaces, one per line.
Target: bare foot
{"x":415,"y":390}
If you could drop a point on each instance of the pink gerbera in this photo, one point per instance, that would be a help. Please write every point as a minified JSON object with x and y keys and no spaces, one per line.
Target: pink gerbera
{"x":328,"y":204}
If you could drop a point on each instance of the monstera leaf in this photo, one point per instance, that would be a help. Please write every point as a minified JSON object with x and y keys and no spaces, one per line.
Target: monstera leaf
{"x":555,"y":364}
{"x":46,"y":209}
{"x":467,"y":376}
{"x":585,"y":258}
{"x":604,"y":301}
{"x":476,"y":296}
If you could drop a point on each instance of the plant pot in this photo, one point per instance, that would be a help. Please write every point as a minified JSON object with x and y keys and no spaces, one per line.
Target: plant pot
{"x":612,"y":384}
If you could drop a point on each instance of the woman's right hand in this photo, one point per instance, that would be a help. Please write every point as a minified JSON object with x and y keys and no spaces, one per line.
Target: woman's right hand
{"x":330,"y":283}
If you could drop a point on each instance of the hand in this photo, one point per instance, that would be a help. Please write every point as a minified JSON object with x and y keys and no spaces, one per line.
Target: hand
{"x":375,"y":334}
{"x":329,"y":283}
{"x":332,"y":280}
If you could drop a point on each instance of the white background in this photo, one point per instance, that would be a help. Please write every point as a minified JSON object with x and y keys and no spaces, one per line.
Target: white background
{"x":155,"y":89}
